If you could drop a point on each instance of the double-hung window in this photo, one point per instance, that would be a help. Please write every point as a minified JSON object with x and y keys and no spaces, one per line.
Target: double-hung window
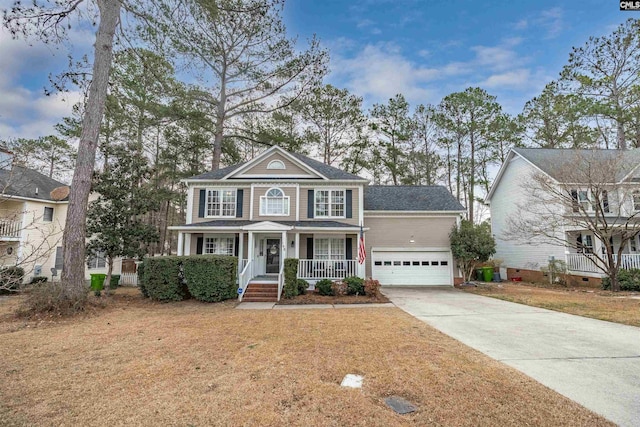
{"x":97,"y":260}
{"x":329,"y":204}
{"x":219,"y":245}
{"x":221,"y":203}
{"x":331,"y":248}
{"x":48,"y":214}
{"x":274,"y":202}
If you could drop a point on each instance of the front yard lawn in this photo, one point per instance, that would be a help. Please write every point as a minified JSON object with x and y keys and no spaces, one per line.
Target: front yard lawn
{"x":138,"y":362}
{"x":620,"y":307}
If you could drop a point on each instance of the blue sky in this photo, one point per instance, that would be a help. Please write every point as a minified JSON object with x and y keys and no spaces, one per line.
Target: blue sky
{"x":423,"y":49}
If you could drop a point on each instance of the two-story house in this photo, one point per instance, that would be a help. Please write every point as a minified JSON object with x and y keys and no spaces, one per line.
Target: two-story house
{"x":564,"y":195}
{"x":285,"y":205}
{"x":33,"y":211}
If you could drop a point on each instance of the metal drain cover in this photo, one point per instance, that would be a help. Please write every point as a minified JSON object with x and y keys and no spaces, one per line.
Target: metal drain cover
{"x":400,"y":405}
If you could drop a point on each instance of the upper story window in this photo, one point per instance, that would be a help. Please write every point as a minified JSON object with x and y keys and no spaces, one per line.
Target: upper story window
{"x":636,"y":200}
{"x":276,"y":164}
{"x":329,"y":204}
{"x":97,"y":260}
{"x":274,"y":202}
{"x":48,"y":215}
{"x":586,"y":200}
{"x":221,"y":203}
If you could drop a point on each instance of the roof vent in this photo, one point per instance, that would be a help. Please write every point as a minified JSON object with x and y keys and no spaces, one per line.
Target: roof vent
{"x":36,"y":191}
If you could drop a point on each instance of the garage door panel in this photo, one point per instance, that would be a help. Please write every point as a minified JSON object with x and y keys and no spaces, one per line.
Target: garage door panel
{"x":426,"y":268}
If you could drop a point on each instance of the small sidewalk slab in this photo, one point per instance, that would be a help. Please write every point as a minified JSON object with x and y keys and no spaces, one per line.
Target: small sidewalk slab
{"x":255,"y":305}
{"x":302,"y":306}
{"x":373,"y":305}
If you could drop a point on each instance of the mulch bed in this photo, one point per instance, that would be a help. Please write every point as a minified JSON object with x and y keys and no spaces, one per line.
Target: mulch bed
{"x":315,"y":298}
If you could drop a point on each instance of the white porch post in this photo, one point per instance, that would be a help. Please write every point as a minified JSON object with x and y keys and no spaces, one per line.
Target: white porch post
{"x":285,"y":243}
{"x":297,"y":246}
{"x":187,"y":244}
{"x":250,"y":251}
{"x":180,"y":243}
{"x":240,"y":250}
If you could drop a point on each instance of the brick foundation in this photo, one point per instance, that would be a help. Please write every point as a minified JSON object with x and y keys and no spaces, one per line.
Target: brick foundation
{"x":536,"y":276}
{"x":457,"y":281}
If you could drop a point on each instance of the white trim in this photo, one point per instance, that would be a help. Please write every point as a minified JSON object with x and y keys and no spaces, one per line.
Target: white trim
{"x":220,"y":190}
{"x":8,"y":198}
{"x":344,"y":203}
{"x":307,"y":183}
{"x":180,"y":244}
{"x":297,"y":202}
{"x":301,"y":229}
{"x":251,"y":203}
{"x":265,"y":155}
{"x":330,"y":237}
{"x":411,"y":249}
{"x":191,"y":191}
{"x":187,"y":243}
{"x":274,"y":176}
{"x":286,"y":200}
{"x":360,"y":205}
{"x":267,"y":226}
{"x":276,"y":164}
{"x":206,"y":236}
{"x":297,"y":246}
{"x":377,"y":214}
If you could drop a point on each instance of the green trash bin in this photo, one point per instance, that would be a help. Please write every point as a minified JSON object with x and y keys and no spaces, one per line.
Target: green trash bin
{"x":97,"y":281}
{"x":487,"y":274}
{"x":479,"y":274}
{"x":115,"y":281}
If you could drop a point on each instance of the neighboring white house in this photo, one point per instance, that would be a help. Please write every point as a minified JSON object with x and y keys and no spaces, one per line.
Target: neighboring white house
{"x":512,"y":189}
{"x":285,"y":205}
{"x":32,"y":220}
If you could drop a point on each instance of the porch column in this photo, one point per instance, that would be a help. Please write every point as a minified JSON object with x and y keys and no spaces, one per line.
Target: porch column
{"x":250,"y":248}
{"x":285,"y":244}
{"x":180,"y":243}
{"x":187,"y":244}
{"x":240,"y":250}
{"x":297,"y":246}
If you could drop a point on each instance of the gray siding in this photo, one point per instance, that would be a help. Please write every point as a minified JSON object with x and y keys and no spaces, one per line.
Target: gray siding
{"x":290,"y":167}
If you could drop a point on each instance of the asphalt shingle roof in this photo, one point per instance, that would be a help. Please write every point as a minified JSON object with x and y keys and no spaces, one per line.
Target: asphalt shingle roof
{"x":329,"y":171}
{"x":409,"y":198}
{"x":552,"y":160}
{"x":23,"y":182}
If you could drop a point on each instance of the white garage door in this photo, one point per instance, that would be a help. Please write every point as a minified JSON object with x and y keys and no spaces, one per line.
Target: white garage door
{"x":412,"y":268}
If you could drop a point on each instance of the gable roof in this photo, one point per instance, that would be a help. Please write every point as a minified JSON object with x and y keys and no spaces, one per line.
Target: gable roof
{"x":410,"y":198}
{"x":22,"y":182}
{"x":320,"y":168}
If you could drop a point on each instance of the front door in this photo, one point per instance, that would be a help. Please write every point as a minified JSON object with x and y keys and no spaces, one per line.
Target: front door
{"x":273,"y":256}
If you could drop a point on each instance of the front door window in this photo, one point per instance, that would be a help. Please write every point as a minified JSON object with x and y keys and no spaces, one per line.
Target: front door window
{"x":273,"y":255}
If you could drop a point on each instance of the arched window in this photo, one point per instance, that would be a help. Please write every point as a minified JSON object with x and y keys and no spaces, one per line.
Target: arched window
{"x":276,"y":164}
{"x":274,"y":202}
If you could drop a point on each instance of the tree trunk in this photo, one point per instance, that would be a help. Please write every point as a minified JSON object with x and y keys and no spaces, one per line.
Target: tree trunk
{"x":107,"y":280}
{"x":622,"y":142}
{"x":75,"y":230}
{"x":472,"y":171}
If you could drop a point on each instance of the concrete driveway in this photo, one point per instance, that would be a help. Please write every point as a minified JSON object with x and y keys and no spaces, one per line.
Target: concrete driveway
{"x":592,"y":362}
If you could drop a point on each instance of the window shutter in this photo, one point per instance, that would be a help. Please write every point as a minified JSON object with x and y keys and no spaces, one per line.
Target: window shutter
{"x":59,"y":259}
{"x":574,"y":196}
{"x":239,"y":194}
{"x":310,"y":246}
{"x":310,"y":206}
{"x":236,"y":244}
{"x":203,"y":200}
{"x":348,"y":205}
{"x":605,"y":201}
{"x":349,"y":247}
{"x":199,"y":244}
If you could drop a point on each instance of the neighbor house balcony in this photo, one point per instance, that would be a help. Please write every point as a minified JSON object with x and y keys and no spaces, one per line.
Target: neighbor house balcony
{"x":10,"y":229}
{"x":586,"y":263}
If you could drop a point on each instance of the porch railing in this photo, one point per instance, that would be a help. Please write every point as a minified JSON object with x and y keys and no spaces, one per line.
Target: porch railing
{"x":9,"y":229}
{"x":243,"y":263}
{"x":280,"y":281}
{"x":316,"y":269}
{"x":245,"y":276}
{"x":587,"y":263}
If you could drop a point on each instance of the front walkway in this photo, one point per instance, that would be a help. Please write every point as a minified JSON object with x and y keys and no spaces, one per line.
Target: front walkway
{"x":592,"y":362}
{"x":274,"y":306}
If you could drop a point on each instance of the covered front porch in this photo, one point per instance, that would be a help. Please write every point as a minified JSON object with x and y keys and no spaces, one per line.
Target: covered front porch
{"x":581,"y":257}
{"x":326,"y":250}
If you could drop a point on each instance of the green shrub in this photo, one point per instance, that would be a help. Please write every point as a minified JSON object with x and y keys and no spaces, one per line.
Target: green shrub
{"x":629,"y":280}
{"x":161,"y":279}
{"x":211,"y":278}
{"x":355,"y":285}
{"x":11,"y":279}
{"x":324,"y":287}
{"x":141,"y":281}
{"x":372,"y":288}
{"x":38,"y":279}
{"x":303,"y":285}
{"x":290,"y":288}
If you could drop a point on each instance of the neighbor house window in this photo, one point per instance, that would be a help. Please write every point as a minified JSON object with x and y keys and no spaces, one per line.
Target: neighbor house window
{"x":221,"y":202}
{"x":329,"y":203}
{"x":48,"y":215}
{"x":329,"y":249}
{"x":274,"y":202}
{"x":636,"y":200}
{"x":219,"y":245}
{"x":585,"y":243}
{"x":97,"y":260}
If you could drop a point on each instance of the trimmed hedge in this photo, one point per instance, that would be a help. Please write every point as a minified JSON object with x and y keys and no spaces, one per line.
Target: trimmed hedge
{"x":38,"y":279}
{"x":355,"y":285}
{"x":303,"y":285}
{"x":161,"y":280}
{"x":629,"y":280}
{"x":211,"y":278}
{"x":324,"y":287}
{"x":290,"y":288}
{"x":141,"y":281}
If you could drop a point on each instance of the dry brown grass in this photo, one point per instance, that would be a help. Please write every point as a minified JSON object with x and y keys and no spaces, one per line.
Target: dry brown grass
{"x":620,"y":307}
{"x":143,"y":363}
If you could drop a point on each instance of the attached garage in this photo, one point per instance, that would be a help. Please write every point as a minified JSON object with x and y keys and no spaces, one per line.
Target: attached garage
{"x":412,"y":267}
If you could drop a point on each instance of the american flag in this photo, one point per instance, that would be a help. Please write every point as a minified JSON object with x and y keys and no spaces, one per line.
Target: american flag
{"x":362,"y":252}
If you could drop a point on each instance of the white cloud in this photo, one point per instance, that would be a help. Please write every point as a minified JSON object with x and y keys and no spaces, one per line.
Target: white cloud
{"x":551,"y":21}
{"x":513,"y":79}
